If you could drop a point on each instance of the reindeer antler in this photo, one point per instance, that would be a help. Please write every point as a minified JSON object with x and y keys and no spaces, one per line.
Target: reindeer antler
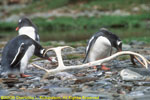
{"x":62,"y":67}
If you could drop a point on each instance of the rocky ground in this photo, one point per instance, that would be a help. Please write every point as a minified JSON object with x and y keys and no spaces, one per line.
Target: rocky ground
{"x":82,"y":84}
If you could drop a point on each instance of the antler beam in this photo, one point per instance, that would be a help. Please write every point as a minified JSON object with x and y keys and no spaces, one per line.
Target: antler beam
{"x":62,"y":67}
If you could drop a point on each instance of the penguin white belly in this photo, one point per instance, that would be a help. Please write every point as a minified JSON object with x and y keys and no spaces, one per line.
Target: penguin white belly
{"x":26,"y":57}
{"x":100,"y":49}
{"x":29,"y":31}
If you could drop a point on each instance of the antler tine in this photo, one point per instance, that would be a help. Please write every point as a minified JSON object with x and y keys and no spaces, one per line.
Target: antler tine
{"x":41,"y":68}
{"x":148,"y":61}
{"x":53,"y":49}
{"x":59,"y":56}
{"x":57,"y":50}
{"x":139,"y":61}
{"x":130,"y":53}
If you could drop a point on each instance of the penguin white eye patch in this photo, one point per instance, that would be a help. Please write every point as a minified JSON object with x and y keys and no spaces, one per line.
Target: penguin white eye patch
{"x":19,"y":20}
{"x":42,"y":51}
{"x":119,"y":42}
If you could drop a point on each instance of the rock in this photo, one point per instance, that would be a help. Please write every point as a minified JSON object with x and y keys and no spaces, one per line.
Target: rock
{"x":96,"y":74}
{"x":145,"y":7}
{"x":12,"y":18}
{"x":102,"y":83}
{"x":4,"y":92}
{"x":128,"y":75}
{"x":135,"y":42}
{"x":85,"y":79}
{"x":55,"y":90}
{"x":141,"y":71}
{"x":65,"y":76}
{"x":139,"y":94}
{"x":136,"y":9}
{"x":126,"y":47}
{"x":10,"y":81}
{"x":147,"y":83}
{"x":36,"y":79}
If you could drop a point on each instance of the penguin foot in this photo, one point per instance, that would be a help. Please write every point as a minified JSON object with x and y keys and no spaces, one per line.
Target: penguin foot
{"x":12,"y":76}
{"x":24,"y":76}
{"x":103,"y":67}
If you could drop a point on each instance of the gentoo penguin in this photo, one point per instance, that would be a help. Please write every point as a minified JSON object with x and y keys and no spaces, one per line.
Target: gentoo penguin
{"x":16,"y":54}
{"x":100,"y":46}
{"x":26,"y":27}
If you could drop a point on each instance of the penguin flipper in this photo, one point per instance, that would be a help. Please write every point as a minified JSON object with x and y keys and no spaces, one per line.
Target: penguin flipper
{"x":19,"y":55}
{"x":88,"y":48}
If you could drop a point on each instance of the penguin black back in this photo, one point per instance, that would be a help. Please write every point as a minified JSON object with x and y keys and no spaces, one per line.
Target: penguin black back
{"x":104,"y":36}
{"x":15,"y":49}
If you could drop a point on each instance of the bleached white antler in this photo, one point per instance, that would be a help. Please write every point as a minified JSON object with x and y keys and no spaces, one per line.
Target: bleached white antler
{"x":62,"y":67}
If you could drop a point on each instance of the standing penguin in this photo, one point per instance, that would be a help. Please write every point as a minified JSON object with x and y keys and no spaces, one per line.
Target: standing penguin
{"x":16,"y":54}
{"x":26,"y":27}
{"x":100,"y":46}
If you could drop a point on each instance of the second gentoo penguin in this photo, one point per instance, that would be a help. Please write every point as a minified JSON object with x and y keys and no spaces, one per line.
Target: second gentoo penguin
{"x":26,"y":27}
{"x":16,"y":54}
{"x":100,"y":46}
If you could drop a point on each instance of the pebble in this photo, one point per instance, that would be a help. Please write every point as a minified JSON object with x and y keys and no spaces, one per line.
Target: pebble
{"x":55,"y":90}
{"x":4,"y":92}
{"x":65,"y":76}
{"x":128,"y":75}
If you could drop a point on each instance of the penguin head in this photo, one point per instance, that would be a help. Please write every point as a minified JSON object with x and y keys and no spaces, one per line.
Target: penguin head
{"x":114,"y":39}
{"x":116,"y":43}
{"x":45,"y":56}
{"x":24,"y":22}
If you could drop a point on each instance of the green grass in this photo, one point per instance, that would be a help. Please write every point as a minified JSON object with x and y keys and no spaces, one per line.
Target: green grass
{"x":81,"y":28}
{"x":144,"y":39}
{"x":81,"y":23}
{"x":7,"y":26}
{"x":115,"y":4}
{"x":74,"y":56}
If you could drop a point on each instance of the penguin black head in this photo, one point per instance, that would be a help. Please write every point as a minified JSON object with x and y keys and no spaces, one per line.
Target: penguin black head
{"x":114,"y":39}
{"x":118,"y":44}
{"x":25,"y":22}
{"x":39,"y":51}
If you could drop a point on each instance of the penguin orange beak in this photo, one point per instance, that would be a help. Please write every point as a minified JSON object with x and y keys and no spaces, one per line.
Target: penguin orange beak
{"x":17,"y":28}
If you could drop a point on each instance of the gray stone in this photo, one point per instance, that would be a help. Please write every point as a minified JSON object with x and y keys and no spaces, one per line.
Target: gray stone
{"x":56,"y":90}
{"x":12,"y":18}
{"x":65,"y":76}
{"x":128,"y":75}
{"x":135,"y":42}
{"x":126,"y":47}
{"x":4,"y":92}
{"x":142,"y":93}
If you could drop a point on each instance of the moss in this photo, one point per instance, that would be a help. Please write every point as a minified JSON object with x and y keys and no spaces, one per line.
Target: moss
{"x":74,"y":56}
